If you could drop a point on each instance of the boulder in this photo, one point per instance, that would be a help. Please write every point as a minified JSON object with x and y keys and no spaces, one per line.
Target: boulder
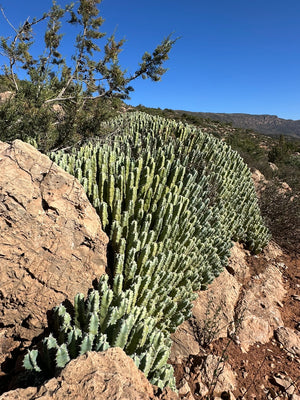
{"x":184,"y":342}
{"x":241,"y":303}
{"x":259,"y":181}
{"x":217,"y":376}
{"x":105,"y":375}
{"x":289,"y":339}
{"x":284,"y":188}
{"x":259,"y":308}
{"x":213,"y":310}
{"x":272,"y":252}
{"x":273,"y":167}
{"x":51,"y":243}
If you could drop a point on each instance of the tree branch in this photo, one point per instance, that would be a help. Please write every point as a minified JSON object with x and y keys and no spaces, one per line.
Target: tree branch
{"x":26,"y":26}
{"x":107,"y":93}
{"x":7,"y":20}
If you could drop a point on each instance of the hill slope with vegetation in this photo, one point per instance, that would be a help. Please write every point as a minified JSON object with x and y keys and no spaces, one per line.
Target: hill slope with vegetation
{"x":265,"y":124}
{"x":173,"y":190}
{"x":171,"y":199}
{"x":278,"y":159}
{"x":257,"y":150}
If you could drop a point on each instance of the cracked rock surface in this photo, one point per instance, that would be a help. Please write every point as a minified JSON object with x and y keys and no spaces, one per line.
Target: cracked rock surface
{"x":105,"y":375}
{"x":240,"y":304}
{"x":51,"y":243}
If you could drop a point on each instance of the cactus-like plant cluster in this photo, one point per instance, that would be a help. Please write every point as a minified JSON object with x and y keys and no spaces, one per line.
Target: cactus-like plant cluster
{"x":171,"y":200}
{"x":228,"y":175}
{"x":105,"y":320}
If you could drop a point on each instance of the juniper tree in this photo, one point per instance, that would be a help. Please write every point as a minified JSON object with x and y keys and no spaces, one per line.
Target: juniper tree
{"x":82,"y":87}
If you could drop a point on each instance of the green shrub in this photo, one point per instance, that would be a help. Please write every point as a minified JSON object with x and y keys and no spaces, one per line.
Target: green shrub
{"x":106,"y":318}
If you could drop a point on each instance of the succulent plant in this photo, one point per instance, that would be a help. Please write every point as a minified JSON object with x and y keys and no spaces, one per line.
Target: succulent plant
{"x":171,"y":199}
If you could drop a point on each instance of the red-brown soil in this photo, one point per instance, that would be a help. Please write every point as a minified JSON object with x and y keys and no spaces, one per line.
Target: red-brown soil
{"x":258,"y":370}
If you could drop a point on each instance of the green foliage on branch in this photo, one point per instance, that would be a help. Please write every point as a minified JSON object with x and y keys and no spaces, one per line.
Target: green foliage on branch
{"x":171,"y":200}
{"x":59,"y":99}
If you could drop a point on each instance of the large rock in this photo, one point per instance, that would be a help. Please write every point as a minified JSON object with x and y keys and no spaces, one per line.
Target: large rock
{"x":213,"y":313}
{"x":259,"y":309}
{"x":243,"y":303}
{"x":184,"y":342}
{"x":51,"y":242}
{"x":289,"y":339}
{"x":213,"y":310}
{"x":259,"y":181}
{"x":102,"y":376}
{"x":217,"y":376}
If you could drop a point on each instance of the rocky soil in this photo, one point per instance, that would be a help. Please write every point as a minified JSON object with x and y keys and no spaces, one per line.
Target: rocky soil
{"x":242,"y":342}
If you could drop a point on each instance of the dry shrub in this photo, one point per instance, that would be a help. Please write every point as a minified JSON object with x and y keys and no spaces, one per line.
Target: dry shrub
{"x":282,"y":216}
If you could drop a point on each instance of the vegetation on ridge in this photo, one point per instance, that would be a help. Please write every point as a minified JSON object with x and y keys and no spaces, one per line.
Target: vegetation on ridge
{"x":278,"y":159}
{"x":171,"y":200}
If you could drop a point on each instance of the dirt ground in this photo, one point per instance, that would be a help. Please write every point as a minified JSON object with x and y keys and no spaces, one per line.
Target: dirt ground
{"x":266,"y":371}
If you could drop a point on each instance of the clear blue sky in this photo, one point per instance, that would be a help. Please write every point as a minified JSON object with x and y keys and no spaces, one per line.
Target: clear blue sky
{"x":233,"y":56}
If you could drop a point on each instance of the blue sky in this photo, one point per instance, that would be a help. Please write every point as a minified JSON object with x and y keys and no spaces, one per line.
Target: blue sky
{"x":233,"y":56}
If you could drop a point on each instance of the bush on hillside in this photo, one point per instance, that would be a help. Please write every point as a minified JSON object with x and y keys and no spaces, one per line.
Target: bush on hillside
{"x":281,"y":213}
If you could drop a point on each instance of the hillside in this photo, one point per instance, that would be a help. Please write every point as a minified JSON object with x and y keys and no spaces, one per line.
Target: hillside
{"x":244,"y":327}
{"x":259,"y":151}
{"x":266,"y":124}
{"x":253,"y":325}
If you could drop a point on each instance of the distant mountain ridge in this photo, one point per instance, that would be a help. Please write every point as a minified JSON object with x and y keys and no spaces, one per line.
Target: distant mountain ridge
{"x":266,"y":124}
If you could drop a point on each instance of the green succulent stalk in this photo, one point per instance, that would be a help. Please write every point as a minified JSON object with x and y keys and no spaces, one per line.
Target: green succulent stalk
{"x":171,"y":199}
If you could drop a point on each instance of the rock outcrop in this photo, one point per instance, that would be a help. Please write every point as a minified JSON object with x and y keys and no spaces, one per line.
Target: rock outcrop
{"x":102,"y":376}
{"x":245,"y":318}
{"x":51,"y":243}
{"x":240,"y":303}
{"x":260,"y":182}
{"x":52,"y":247}
{"x":259,"y":308}
{"x":289,"y":339}
{"x":218,"y":373}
